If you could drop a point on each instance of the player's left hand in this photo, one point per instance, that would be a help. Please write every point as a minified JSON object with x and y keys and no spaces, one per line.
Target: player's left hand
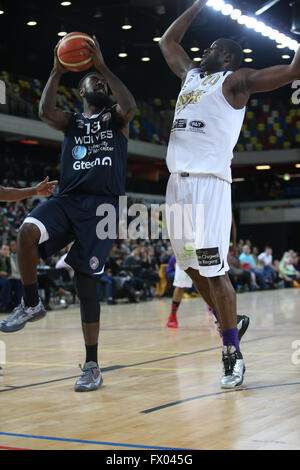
{"x":93,"y":51}
{"x":46,"y":187}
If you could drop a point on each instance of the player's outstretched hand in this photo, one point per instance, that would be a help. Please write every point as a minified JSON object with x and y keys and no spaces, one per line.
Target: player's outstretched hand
{"x":58,"y":67}
{"x":46,"y":187}
{"x":93,"y":51}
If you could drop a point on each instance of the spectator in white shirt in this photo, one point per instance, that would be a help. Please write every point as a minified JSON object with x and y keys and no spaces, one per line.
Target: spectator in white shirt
{"x":266,"y":257}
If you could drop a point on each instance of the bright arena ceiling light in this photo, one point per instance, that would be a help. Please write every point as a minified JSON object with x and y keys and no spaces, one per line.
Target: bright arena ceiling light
{"x":252,"y":23}
{"x":263,"y":167}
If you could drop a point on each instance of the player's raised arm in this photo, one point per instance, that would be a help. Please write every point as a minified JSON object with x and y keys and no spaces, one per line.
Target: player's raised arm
{"x":176,"y":57}
{"x":126,"y":107}
{"x":241,"y":84}
{"x":271,"y":78}
{"x":48,"y":111}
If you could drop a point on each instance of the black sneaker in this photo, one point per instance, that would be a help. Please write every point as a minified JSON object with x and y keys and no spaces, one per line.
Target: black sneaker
{"x":242,"y":325}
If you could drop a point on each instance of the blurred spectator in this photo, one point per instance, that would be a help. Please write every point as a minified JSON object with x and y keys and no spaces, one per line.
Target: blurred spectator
{"x":133,"y":261}
{"x":248,"y":263}
{"x":107,"y":281}
{"x":240,"y":277}
{"x":287,"y":270}
{"x":170,"y":269}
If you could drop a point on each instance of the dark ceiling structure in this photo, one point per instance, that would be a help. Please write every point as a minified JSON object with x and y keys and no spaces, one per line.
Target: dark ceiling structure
{"x":29,"y":50}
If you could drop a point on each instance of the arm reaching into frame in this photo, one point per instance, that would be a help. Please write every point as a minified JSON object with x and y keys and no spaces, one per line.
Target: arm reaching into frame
{"x":45,"y":189}
{"x":176,"y":57}
{"x":239,"y":86}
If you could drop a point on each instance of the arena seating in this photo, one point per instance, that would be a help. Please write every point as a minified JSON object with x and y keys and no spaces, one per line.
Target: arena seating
{"x":269,"y":124}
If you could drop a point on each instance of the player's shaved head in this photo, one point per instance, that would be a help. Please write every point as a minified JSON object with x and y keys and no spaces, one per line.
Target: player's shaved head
{"x":223,"y":54}
{"x":234,"y":49}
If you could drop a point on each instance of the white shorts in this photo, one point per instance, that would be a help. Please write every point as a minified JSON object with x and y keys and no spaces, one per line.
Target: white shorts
{"x":182,"y":279}
{"x":198,"y":218}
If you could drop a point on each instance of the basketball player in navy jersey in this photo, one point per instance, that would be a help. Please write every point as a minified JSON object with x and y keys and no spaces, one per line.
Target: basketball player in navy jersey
{"x":93,"y":172}
{"x":208,"y":120}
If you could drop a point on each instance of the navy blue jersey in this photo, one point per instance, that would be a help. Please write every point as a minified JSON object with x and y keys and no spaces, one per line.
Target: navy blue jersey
{"x":94,"y":155}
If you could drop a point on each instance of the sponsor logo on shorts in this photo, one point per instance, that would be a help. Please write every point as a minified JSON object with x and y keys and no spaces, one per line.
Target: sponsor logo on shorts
{"x":208,"y":256}
{"x":79,"y":152}
{"x":94,"y":263}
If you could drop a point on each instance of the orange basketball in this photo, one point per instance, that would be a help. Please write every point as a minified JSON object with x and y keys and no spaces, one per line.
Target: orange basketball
{"x":69,"y":50}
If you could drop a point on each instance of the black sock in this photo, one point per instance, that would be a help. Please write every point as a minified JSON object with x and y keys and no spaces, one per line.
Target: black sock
{"x":91,"y":353}
{"x":31,"y":295}
{"x":175,"y":307}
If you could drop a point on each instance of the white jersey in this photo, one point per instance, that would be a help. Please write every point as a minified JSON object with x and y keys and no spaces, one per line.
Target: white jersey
{"x":206,"y":127}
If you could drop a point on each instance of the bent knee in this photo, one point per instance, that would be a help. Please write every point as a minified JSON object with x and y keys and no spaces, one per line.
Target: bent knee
{"x":29,"y":234}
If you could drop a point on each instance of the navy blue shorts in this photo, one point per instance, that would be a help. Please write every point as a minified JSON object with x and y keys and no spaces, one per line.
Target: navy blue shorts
{"x":70,"y":218}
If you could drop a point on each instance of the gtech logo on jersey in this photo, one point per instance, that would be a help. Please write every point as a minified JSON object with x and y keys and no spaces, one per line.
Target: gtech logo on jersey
{"x":106,"y":161}
{"x":79,"y":152}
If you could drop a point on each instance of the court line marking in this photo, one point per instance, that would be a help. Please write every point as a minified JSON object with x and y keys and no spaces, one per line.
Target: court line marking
{"x":117,"y":367}
{"x":81,"y":441}
{"x":174,"y":369}
{"x":12,"y":448}
{"x":207,"y":395}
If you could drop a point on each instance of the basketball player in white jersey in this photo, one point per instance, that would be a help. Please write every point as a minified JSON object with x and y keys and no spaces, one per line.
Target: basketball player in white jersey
{"x":183,"y":281}
{"x":208,"y":119}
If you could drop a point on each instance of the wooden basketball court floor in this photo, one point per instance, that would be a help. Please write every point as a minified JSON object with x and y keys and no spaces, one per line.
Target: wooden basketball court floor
{"x":161,"y":386}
